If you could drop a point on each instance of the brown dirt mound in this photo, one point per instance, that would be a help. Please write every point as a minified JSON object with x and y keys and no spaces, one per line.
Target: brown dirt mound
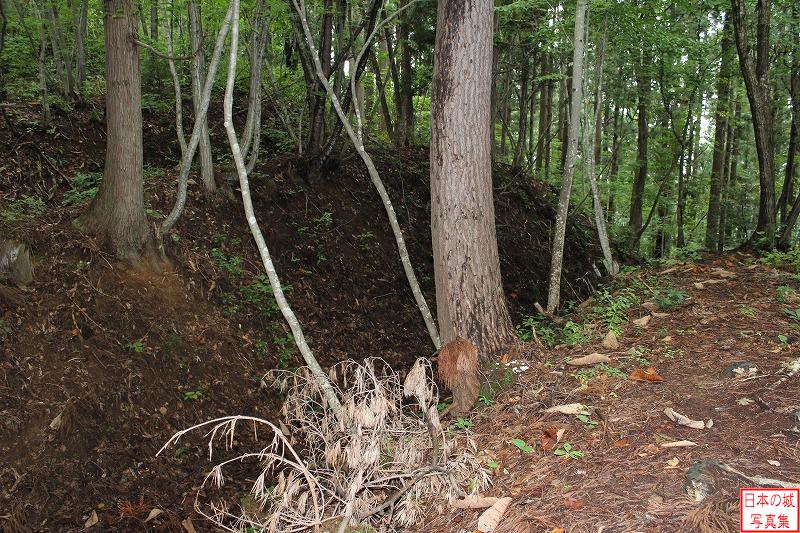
{"x":101,"y":364}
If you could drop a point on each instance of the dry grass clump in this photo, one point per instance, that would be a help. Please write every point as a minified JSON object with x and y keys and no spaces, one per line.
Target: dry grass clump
{"x":378,"y":463}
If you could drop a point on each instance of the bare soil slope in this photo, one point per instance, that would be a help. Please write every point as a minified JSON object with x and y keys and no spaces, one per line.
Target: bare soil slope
{"x":101,"y":364}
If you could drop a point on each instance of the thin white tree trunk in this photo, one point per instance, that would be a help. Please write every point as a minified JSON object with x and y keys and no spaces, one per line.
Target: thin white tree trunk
{"x":599,"y":218}
{"x":176,"y":82}
{"x":554,"y":290}
{"x":194,"y":140}
{"x":322,"y":378}
{"x":358,"y":142}
{"x":198,"y":68}
{"x":258,"y":44}
{"x":43,"y":79}
{"x":60,"y":52}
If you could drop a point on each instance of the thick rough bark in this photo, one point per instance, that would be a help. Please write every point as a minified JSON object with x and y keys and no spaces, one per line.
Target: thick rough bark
{"x":469,"y":290}
{"x":640,"y":177}
{"x":554,"y":288}
{"x":117,"y":213}
{"x":720,"y":137}
{"x":756,"y":80}
{"x":198,"y":73}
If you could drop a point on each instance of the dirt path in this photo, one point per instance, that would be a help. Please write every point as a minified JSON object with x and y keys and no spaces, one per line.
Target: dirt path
{"x":625,"y":480}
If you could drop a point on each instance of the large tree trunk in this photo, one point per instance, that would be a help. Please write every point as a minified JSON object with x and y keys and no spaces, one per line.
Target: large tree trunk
{"x":469,"y":290}
{"x":640,"y":177}
{"x":720,"y":138}
{"x":554,"y":288}
{"x":756,"y":80}
{"x":794,"y":147}
{"x":198,"y":74}
{"x":117,"y":213}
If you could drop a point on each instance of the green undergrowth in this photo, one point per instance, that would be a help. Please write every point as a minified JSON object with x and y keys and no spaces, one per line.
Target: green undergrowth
{"x":609,"y":309}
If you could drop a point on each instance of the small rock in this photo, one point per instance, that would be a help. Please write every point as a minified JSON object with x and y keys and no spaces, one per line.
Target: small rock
{"x":726,"y":274}
{"x":740,"y":369}
{"x":642,"y":322}
{"x":650,"y":306}
{"x":611,"y":342}
{"x":15,"y":263}
{"x":162,"y":410}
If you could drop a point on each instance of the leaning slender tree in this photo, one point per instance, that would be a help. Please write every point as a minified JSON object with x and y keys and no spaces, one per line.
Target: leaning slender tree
{"x":469,"y":290}
{"x":329,"y":394}
{"x":554,"y":290}
{"x":117,"y":213}
{"x":357,"y":139}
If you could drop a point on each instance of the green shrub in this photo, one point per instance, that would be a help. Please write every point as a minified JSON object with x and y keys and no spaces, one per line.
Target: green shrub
{"x":611,"y":309}
{"x":82,"y":188}
{"x":25,"y":207}
{"x":784,"y":260}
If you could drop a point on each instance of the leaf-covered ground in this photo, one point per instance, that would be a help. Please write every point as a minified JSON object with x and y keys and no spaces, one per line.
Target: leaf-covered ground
{"x":622,"y":477}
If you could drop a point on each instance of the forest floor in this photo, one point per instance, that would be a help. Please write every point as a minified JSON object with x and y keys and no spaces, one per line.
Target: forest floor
{"x":625,"y":479}
{"x":100,"y":364}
